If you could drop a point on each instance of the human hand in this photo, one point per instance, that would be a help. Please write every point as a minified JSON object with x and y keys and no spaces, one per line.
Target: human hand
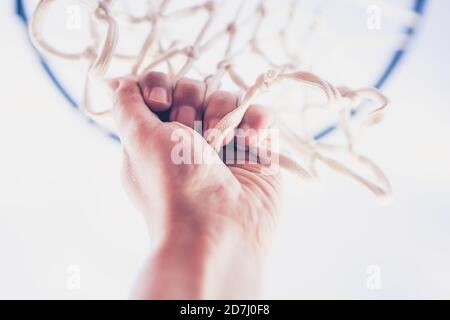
{"x":205,"y":215}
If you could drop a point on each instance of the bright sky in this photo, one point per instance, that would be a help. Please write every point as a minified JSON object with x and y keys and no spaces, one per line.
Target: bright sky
{"x":62,"y":206}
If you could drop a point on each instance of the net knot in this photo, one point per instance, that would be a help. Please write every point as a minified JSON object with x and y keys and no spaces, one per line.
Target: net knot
{"x":210,"y":6}
{"x":231,"y":28}
{"x":90,"y":53}
{"x":261,"y":10}
{"x":192,"y":52}
{"x":224,"y":64}
{"x":270,"y":77}
{"x":349,"y":96}
{"x":102,"y":10}
{"x":152,"y":16}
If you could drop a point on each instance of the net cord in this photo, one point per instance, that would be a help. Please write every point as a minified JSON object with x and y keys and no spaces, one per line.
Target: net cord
{"x":100,"y":57}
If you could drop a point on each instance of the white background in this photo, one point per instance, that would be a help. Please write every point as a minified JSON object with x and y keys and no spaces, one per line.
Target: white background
{"x":61,"y":203}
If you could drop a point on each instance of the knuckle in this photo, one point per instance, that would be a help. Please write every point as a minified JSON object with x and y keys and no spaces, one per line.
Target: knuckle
{"x":190,"y":84}
{"x":154,"y":78}
{"x":127,"y":99}
{"x":260,"y":115}
{"x":189,"y":89}
{"x":127,"y":89}
{"x":222,"y":98}
{"x":126,"y":84}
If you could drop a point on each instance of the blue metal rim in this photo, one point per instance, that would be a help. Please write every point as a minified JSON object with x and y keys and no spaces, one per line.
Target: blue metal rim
{"x":394,"y":62}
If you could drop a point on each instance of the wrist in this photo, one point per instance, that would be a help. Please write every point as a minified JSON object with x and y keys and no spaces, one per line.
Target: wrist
{"x":178,"y":269}
{"x":198,"y":262}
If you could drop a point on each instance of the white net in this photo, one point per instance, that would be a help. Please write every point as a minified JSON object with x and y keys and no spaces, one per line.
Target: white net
{"x":223,"y":45}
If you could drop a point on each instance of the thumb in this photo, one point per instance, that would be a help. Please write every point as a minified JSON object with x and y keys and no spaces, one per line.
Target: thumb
{"x":133,"y":118}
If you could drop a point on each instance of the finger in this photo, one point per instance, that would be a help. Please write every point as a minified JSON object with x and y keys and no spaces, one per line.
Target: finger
{"x":255,"y":124}
{"x":219,"y":104}
{"x":156,"y":90}
{"x":133,"y":118}
{"x":188,"y":102}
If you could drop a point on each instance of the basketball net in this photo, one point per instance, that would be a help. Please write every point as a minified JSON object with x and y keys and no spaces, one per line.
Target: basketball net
{"x":304,"y":153}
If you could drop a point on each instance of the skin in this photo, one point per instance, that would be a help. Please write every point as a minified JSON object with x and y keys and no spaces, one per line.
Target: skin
{"x":212,"y":224}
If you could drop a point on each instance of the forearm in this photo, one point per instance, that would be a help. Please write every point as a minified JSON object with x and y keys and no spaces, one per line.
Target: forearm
{"x":195,"y":265}
{"x":169,"y":276}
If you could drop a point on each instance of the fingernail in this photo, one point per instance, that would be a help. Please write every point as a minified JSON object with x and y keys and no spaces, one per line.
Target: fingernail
{"x":186,"y":115}
{"x":158,"y":94}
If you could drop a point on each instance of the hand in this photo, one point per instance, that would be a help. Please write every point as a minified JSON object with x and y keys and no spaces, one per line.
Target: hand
{"x":212,"y":223}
